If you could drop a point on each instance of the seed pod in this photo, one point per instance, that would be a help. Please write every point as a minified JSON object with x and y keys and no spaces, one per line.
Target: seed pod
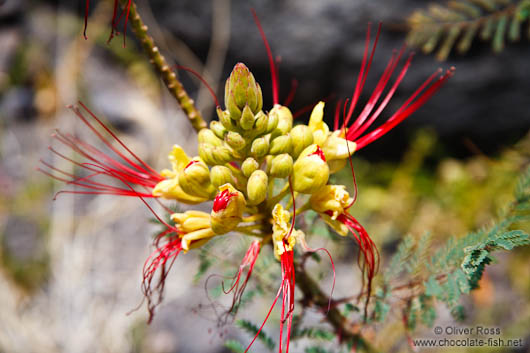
{"x":301,"y":137}
{"x":281,"y":144}
{"x":281,"y":166}
{"x":249,"y":166}
{"x":310,"y":171}
{"x":220,"y":175}
{"x":257,"y":187}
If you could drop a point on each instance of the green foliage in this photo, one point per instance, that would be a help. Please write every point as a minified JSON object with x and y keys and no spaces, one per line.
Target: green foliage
{"x":314,"y":333}
{"x":234,"y":346}
{"x":316,"y":349}
{"x":458,"y":22}
{"x":453,"y":270}
{"x":253,"y":330}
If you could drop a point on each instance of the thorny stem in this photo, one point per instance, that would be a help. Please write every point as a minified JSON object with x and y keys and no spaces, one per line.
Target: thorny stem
{"x":313,"y":295}
{"x":165,"y":71}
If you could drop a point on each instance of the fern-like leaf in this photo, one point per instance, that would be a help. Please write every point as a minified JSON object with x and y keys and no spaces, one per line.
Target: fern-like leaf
{"x":458,"y":22}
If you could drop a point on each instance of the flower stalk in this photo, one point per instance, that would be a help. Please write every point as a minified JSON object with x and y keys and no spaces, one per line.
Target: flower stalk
{"x":161,"y":66}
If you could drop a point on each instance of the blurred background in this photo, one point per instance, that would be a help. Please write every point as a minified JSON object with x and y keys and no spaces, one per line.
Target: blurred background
{"x":71,"y":268}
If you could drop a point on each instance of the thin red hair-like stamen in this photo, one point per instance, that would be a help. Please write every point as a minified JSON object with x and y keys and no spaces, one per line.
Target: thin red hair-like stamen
{"x":248,"y":262}
{"x":358,"y":131}
{"x":113,"y":22}
{"x":272,"y":66}
{"x":406,"y":110}
{"x":158,"y":260}
{"x":363,"y":73}
{"x":203,"y":80}
{"x":87,"y":7}
{"x":292,"y":92}
{"x":378,"y":91}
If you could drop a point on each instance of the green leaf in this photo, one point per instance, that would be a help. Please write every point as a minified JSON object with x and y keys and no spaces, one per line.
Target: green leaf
{"x":253,"y":330}
{"x":234,"y":346}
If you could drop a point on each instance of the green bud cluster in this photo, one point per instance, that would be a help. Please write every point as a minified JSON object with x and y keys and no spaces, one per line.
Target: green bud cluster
{"x":248,"y":148}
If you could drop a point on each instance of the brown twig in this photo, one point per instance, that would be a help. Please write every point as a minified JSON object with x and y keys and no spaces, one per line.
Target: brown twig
{"x":165,"y":71}
{"x":313,"y":295}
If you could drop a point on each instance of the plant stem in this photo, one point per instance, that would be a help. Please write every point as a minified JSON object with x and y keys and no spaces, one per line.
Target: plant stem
{"x":313,"y":295}
{"x":165,"y":71}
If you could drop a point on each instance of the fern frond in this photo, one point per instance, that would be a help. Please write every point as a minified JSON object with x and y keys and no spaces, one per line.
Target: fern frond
{"x":253,"y":330}
{"x":458,"y":22}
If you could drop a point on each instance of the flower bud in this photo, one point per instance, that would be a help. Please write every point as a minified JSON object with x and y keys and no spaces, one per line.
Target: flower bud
{"x":192,"y":220}
{"x":195,"y":179}
{"x":272,"y":122}
{"x":337,"y":147}
{"x":225,"y":119}
{"x":247,"y":119}
{"x":281,"y":144}
{"x":281,"y":166}
{"x":249,"y":166}
{"x":285,"y":119}
{"x":218,"y":129}
{"x":241,"y":89}
{"x":332,"y":200}
{"x":261,"y":123}
{"x":301,"y":137}
{"x":171,"y":190}
{"x":317,"y":125}
{"x":195,"y":225}
{"x":220,"y":175}
{"x":310,"y":171}
{"x":235,"y":140}
{"x":228,"y":207}
{"x":207,"y":136}
{"x":257,"y":187}
{"x":260,"y":147}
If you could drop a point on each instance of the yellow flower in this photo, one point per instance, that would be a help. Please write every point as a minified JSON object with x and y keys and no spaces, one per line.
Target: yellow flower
{"x":195,"y":226}
{"x":227,"y":211}
{"x":317,"y":125}
{"x":282,"y":237}
{"x":170,"y":187}
{"x":331,"y":198}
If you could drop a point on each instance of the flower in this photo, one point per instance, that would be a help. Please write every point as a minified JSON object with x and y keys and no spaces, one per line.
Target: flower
{"x":242,"y":157}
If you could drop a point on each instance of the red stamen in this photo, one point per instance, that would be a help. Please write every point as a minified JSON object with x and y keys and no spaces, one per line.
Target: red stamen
{"x":406,"y":110}
{"x":87,"y":6}
{"x":158,"y":260}
{"x":221,"y":200}
{"x":369,"y":262}
{"x":363,"y":73}
{"x":101,"y":164}
{"x":274,"y":72}
{"x":204,"y":82}
{"x":126,"y":20}
{"x":248,"y":262}
{"x":319,"y":153}
{"x":192,"y":162}
{"x":292,"y":92}
{"x":113,"y":22}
